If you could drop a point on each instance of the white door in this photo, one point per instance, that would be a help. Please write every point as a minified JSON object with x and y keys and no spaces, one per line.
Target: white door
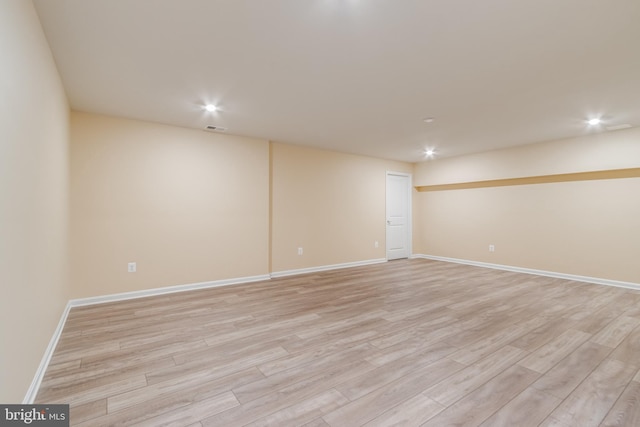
{"x":398,"y":215}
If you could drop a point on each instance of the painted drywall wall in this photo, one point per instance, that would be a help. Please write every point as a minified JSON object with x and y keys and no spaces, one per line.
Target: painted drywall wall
{"x":330,"y":204}
{"x":187,"y":206}
{"x":33,"y":197}
{"x":588,"y":228}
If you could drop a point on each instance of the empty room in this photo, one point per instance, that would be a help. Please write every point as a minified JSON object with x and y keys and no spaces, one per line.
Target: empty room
{"x":320,"y":213}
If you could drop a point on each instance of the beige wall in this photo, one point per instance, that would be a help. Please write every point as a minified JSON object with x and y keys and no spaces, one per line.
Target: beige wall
{"x":330,"y":204}
{"x":190,"y":206}
{"x":587,"y":228}
{"x":187,"y":206}
{"x":600,"y":151}
{"x":33,"y":197}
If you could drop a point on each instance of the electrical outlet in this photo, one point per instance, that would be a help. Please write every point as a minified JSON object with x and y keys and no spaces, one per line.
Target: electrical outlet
{"x":300,"y":251}
{"x":131,"y":267}
{"x":375,"y":244}
{"x":492,"y":248}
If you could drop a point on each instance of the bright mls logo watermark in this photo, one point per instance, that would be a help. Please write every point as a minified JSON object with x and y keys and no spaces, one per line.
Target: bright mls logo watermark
{"x":34,"y":415}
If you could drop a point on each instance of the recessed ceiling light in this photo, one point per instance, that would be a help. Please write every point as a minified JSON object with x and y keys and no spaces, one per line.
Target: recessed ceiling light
{"x":594,"y":122}
{"x":429,"y":120}
{"x":210,"y":108}
{"x":429,"y":153}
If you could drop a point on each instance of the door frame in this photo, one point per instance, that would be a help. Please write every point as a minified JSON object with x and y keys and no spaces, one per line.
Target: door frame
{"x":409,"y":213}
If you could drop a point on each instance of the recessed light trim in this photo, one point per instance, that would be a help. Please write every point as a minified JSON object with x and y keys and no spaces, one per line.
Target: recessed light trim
{"x":210,"y":108}
{"x":594,"y":122}
{"x":215,"y":128}
{"x":429,"y":120}
{"x":429,"y":152}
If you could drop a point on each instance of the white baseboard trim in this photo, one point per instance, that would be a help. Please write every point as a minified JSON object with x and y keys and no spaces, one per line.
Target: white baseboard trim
{"x":32,"y":392}
{"x":587,"y":279}
{"x":327,"y":267}
{"x":166,"y":290}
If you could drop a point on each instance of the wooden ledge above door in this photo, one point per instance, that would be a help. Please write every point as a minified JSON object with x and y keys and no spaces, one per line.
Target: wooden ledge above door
{"x":540,"y":179}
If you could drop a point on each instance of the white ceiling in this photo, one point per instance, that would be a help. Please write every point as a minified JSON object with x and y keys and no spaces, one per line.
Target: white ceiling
{"x":356,"y":75}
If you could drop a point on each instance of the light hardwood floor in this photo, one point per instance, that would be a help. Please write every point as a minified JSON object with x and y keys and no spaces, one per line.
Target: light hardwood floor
{"x":410,"y":342}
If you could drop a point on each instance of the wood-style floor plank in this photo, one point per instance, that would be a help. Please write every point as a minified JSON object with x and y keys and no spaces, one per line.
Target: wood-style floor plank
{"x":478,"y":405}
{"x":193,"y":388}
{"x":465,"y":381}
{"x":412,"y":412}
{"x":192,"y":413}
{"x":563,"y":378}
{"x":592,"y":400}
{"x":403,"y":343}
{"x":547,"y":356}
{"x":527,"y":409}
{"x":305,"y":411}
{"x":626,"y":411}
{"x":370,"y":405}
